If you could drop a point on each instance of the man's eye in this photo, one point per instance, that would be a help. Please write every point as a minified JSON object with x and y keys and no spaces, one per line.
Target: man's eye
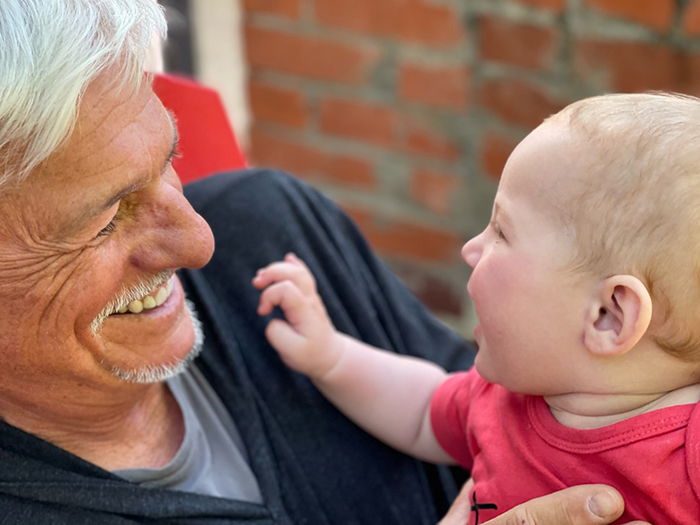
{"x":109,"y":228}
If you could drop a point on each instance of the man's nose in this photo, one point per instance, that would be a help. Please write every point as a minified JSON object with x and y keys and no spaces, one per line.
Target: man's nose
{"x":471,"y":251}
{"x":177,"y":236}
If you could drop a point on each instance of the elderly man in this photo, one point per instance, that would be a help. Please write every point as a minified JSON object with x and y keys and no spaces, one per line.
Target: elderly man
{"x":117,"y":406}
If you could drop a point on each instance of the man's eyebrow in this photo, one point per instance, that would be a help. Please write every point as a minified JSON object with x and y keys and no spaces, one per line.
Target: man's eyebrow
{"x":119,"y":196}
{"x":176,"y":140}
{"x":137,"y":184}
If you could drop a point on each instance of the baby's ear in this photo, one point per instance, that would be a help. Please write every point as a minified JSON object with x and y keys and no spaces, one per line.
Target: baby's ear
{"x":618,"y":317}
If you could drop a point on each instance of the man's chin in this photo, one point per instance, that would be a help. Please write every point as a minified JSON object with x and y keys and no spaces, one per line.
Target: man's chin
{"x":158,"y":372}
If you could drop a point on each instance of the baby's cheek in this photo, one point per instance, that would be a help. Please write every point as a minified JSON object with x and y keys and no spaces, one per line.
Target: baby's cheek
{"x":488,"y":283}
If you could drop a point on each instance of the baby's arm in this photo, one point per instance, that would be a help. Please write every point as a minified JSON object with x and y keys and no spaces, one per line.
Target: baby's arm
{"x":386,"y":394}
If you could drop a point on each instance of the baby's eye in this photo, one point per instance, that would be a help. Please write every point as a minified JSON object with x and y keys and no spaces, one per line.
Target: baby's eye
{"x":498,"y":231}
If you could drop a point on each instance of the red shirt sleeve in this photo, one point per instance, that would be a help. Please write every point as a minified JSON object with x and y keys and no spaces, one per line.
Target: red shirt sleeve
{"x":449,"y":409}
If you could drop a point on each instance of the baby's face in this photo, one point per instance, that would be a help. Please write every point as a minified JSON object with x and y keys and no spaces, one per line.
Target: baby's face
{"x":531,"y":310}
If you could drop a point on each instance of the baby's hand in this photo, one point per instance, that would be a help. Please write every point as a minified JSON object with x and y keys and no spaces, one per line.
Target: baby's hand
{"x":307,"y":341}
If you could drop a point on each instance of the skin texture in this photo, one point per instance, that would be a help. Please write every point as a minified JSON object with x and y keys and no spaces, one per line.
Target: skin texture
{"x":57,"y":272}
{"x":530,"y":309}
{"x":582,"y":505}
{"x":577,"y":338}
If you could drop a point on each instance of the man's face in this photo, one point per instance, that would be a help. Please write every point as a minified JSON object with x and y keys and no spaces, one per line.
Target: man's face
{"x":531,"y":310}
{"x":102,"y":215}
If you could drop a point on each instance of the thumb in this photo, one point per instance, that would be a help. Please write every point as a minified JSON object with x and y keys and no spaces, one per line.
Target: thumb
{"x":283,"y":338}
{"x":580,"y":505}
{"x":460,"y":509}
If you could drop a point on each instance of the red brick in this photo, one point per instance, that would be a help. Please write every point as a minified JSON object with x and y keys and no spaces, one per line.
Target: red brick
{"x":408,"y":20}
{"x":348,"y":171}
{"x":406,"y":239}
{"x":522,"y":45}
{"x":437,"y":25}
{"x":691,"y":19}
{"x":518,"y":102}
{"x":310,"y":57}
{"x":690,"y":75}
{"x":284,"y":8}
{"x":310,"y":163}
{"x":421,"y":140}
{"x":273,"y":104}
{"x":495,"y":151}
{"x":295,"y":158}
{"x":431,"y":145}
{"x":657,"y":14}
{"x":434,"y":190}
{"x":445,"y":87}
{"x":360,"y":121}
{"x":553,"y":5}
{"x":634,"y":66}
{"x":439,"y":296}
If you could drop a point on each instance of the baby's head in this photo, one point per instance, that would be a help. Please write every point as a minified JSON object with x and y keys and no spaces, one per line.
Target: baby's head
{"x":637,"y":209}
{"x":602,"y":200}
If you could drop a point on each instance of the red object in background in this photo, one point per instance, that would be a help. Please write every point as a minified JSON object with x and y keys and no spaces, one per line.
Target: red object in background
{"x":207,"y":142}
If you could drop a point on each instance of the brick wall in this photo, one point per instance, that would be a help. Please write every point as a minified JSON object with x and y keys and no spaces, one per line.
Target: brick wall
{"x":404,"y":111}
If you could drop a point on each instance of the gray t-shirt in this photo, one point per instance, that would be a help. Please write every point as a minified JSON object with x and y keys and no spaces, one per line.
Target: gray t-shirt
{"x":212,"y":459}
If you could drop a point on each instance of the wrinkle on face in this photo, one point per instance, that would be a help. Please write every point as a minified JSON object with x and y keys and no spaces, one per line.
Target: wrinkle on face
{"x":21,"y":272}
{"x":95,"y":154}
{"x":57,"y":273}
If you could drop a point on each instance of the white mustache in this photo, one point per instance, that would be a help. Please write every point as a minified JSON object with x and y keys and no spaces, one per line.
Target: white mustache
{"x":122,"y":300}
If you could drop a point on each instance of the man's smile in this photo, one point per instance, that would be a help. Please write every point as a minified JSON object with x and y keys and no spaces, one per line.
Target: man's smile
{"x":144,"y":297}
{"x":149,"y":301}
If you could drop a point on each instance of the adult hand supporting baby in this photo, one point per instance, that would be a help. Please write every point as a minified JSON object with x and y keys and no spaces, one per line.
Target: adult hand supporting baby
{"x":581,"y":505}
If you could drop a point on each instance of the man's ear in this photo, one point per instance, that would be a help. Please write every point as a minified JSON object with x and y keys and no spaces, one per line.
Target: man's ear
{"x":618,"y":317}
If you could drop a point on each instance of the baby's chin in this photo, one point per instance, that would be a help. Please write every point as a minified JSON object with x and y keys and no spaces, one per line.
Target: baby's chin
{"x":512,"y":382}
{"x":484,"y":370}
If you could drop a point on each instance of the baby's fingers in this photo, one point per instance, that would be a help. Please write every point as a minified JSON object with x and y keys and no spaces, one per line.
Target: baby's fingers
{"x":292,"y":258}
{"x":288,"y":297}
{"x":284,"y":339}
{"x":293,"y":270}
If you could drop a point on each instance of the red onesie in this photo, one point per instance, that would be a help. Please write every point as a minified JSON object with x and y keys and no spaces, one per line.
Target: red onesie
{"x":517,"y":451}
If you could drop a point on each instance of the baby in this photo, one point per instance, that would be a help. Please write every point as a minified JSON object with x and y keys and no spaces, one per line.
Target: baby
{"x":587,"y":286}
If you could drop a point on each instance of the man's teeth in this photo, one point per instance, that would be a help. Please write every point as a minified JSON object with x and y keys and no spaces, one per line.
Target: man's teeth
{"x":149,"y":302}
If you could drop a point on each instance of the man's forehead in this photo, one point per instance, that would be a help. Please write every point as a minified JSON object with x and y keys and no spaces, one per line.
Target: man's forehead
{"x":121,"y":140}
{"x":113,"y":127}
{"x":104,"y":109}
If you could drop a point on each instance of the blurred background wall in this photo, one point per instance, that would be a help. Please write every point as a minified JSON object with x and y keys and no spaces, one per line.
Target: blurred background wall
{"x":404,"y":111}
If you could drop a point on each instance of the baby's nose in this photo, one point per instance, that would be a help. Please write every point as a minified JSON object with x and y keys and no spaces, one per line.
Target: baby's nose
{"x":471,"y":252}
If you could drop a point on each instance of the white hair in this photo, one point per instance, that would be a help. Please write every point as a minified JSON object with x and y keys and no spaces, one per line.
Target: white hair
{"x":50,"y":51}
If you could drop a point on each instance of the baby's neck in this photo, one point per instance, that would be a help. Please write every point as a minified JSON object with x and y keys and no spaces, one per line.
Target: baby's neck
{"x":586,"y":411}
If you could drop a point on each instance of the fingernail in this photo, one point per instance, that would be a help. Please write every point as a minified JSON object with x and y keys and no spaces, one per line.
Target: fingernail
{"x":604,"y":504}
